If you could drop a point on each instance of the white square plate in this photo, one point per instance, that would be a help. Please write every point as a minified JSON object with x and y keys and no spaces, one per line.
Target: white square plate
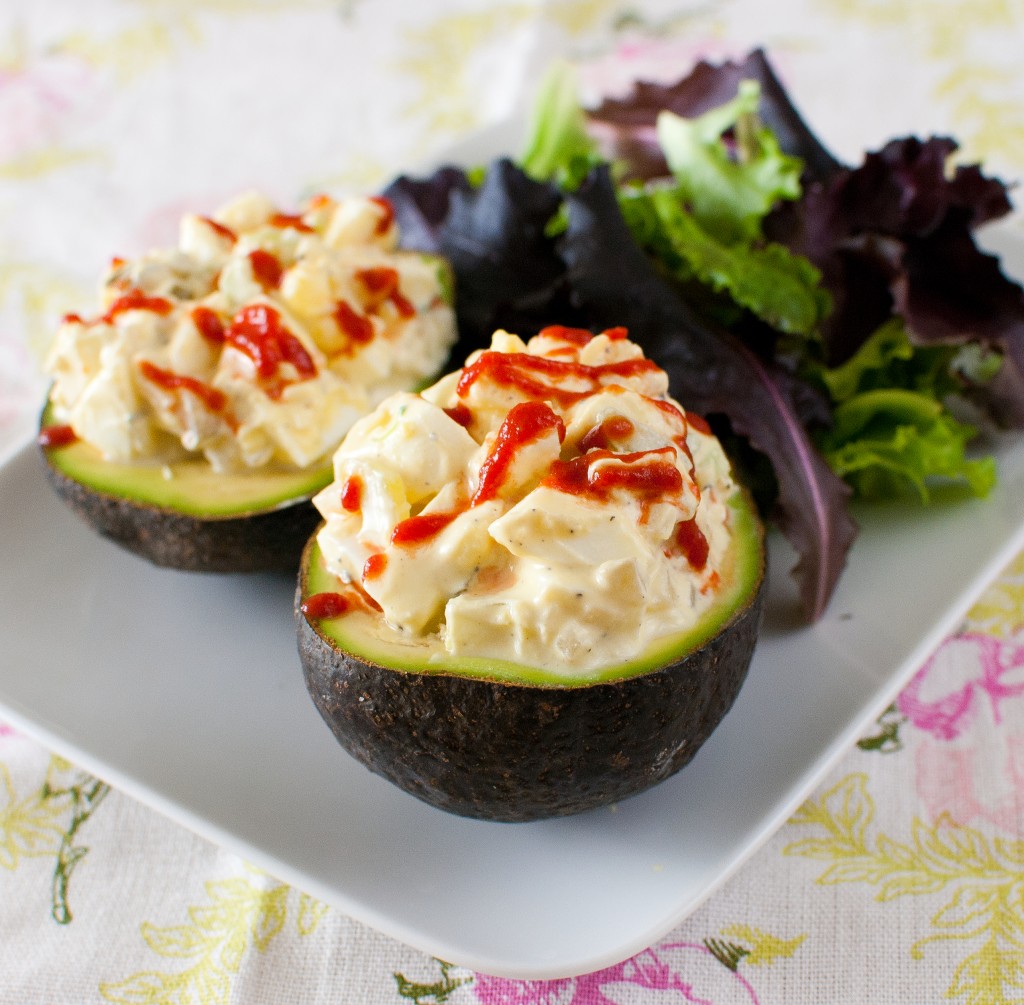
{"x":185,"y":691}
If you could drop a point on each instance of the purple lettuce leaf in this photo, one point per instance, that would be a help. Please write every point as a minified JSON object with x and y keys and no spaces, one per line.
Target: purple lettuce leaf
{"x":613,"y":283}
{"x":507,"y":272}
{"x":625,"y":128}
{"x":422,"y":204}
{"x":896,"y":235}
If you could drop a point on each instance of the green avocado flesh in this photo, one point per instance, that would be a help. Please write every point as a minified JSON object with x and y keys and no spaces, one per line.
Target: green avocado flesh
{"x":360,"y":633}
{"x":184,"y":515}
{"x":190,"y":486}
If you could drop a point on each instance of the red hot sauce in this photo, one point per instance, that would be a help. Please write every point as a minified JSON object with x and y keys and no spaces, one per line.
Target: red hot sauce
{"x":562,"y":381}
{"x":208,"y":324}
{"x":56,"y":436}
{"x":387,"y":215}
{"x":267,"y":269}
{"x":257,"y":331}
{"x":692,"y":543}
{"x":214,"y":400}
{"x":352,"y":494}
{"x":646,"y":476}
{"x":358,"y":327}
{"x":526,"y":422}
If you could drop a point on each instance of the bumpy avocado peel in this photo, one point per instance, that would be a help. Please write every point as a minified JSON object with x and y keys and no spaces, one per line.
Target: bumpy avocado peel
{"x":507,"y":751}
{"x":259,"y":537}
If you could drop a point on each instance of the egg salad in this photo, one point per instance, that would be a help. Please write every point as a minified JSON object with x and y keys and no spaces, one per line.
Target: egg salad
{"x":258,"y":341}
{"x":548,"y":505}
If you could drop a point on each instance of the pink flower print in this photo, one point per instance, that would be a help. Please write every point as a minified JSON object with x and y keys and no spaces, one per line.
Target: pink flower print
{"x":504,"y":991}
{"x":7,"y":731}
{"x":970,"y":785}
{"x":945,"y":695}
{"x":639,"y":56}
{"x":679,"y":973}
{"x":39,"y":99}
{"x":970,"y":770}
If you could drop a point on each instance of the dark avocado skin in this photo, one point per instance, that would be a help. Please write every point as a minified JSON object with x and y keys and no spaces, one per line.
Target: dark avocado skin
{"x":509,"y":752}
{"x":266,"y":541}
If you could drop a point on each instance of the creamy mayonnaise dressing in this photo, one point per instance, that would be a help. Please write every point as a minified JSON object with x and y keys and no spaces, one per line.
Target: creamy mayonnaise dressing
{"x":259,"y":340}
{"x":548,"y":505}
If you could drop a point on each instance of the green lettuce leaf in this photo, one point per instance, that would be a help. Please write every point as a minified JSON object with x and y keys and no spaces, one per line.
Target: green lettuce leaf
{"x":728,"y":166}
{"x":889,"y":359}
{"x":892,"y":442}
{"x":777,"y":286}
{"x":892,"y":434}
{"x":559,"y":147}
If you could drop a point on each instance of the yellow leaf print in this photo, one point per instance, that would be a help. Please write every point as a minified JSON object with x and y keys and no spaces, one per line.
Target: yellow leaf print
{"x":41,"y":295}
{"x":127,"y":54}
{"x":36,"y":163}
{"x":29,"y":827}
{"x":311,"y":911}
{"x":578,"y":16}
{"x":763,"y":948}
{"x":1000,"y":611}
{"x":981,"y":880}
{"x":158,"y":37}
{"x":16,"y":63}
{"x":229,"y":7}
{"x":447,"y":102}
{"x":271,"y":918}
{"x":951,"y":36}
{"x":842,"y":816}
{"x":242,"y":914}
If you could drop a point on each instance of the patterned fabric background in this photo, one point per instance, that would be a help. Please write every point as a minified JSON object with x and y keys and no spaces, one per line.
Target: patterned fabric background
{"x":900,"y":880}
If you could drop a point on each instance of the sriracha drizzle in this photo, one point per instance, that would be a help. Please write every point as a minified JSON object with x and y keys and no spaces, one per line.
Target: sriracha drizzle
{"x":208,"y":324}
{"x":290,"y":220}
{"x":56,"y":436}
{"x":321,"y":606}
{"x":387,"y":216}
{"x":257,"y":331}
{"x":609,"y":431}
{"x":132,"y":300}
{"x":540,"y":377}
{"x":325,"y":605}
{"x":213,"y":399}
{"x":358,"y":327}
{"x":352,"y":494}
{"x":375,"y":565}
{"x":226,"y":232}
{"x":417,"y":529}
{"x":381,"y":285}
{"x":645,"y":475}
{"x":267,"y":270}
{"x":692,"y":543}
{"x":526,"y":422}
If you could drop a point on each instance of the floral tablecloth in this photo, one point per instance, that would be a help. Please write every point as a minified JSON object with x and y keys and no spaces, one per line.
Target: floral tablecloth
{"x":901,"y":879}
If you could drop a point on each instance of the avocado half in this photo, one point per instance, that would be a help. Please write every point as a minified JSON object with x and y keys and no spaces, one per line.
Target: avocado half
{"x":185,"y":515}
{"x":497,"y":741}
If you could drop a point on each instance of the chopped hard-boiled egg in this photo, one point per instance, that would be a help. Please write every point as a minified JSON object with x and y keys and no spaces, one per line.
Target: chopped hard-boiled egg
{"x":548,"y":504}
{"x":259,"y":340}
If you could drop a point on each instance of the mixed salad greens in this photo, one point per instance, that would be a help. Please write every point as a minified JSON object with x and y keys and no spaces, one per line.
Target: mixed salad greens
{"x":837,"y":324}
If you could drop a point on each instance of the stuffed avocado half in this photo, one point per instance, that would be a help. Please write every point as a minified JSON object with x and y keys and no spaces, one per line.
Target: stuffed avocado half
{"x":193,"y":419}
{"x":537,"y":587}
